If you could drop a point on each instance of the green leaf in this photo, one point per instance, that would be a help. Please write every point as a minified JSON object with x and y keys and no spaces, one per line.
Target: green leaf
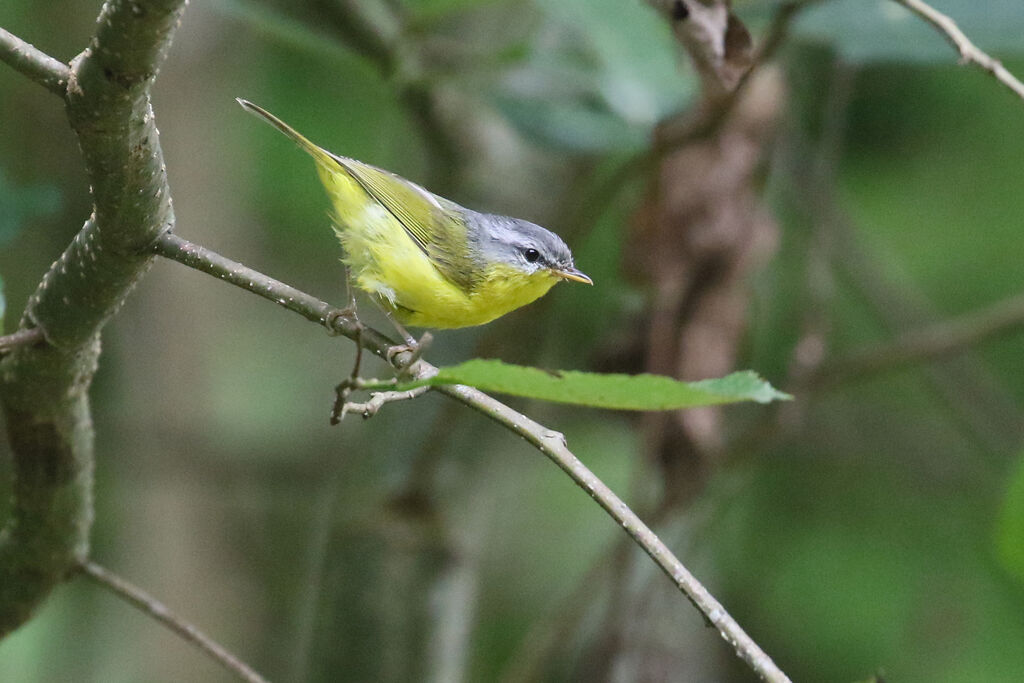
{"x":3,"y":305}
{"x":620,"y":392}
{"x":1009,"y":533}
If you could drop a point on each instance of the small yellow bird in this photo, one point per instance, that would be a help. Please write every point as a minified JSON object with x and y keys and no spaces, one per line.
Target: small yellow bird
{"x":425,"y":259}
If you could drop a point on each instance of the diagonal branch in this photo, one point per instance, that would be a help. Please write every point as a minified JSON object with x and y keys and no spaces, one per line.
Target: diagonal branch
{"x":549,"y":442}
{"x":34,"y":63}
{"x":553,"y":445}
{"x":146,"y":603}
{"x":969,"y":52}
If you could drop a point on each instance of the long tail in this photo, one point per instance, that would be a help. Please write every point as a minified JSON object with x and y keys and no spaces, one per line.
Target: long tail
{"x":318,"y":153}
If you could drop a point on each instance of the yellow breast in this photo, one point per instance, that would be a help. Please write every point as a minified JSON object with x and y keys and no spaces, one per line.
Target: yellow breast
{"x":386,"y":263}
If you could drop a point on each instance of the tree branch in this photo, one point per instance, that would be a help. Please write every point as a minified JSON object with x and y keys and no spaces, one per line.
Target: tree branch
{"x":175,"y":248}
{"x":23,"y":337}
{"x":44,"y":389}
{"x":146,"y":603}
{"x":969,"y":52}
{"x":553,"y":445}
{"x":34,"y":63}
{"x":549,"y":442}
{"x":377,"y":400}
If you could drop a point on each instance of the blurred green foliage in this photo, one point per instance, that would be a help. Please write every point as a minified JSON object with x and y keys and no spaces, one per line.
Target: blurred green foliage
{"x":1009,"y":530}
{"x":882,"y":31}
{"x":881,"y":532}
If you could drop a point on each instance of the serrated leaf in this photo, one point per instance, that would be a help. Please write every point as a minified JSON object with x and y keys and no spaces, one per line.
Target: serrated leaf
{"x":615,"y":391}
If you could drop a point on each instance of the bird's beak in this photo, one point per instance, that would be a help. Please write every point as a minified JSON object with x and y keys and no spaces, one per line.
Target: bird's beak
{"x":572,"y":274}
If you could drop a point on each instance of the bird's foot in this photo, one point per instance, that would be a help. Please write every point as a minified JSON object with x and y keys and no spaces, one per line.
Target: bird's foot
{"x":414,"y":348}
{"x":350,"y":312}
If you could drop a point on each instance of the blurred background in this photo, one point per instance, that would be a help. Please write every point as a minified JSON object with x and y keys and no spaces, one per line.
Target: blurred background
{"x":850,"y":228}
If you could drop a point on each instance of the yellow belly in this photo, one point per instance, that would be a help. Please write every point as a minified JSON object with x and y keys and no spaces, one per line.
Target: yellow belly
{"x":385,"y":262}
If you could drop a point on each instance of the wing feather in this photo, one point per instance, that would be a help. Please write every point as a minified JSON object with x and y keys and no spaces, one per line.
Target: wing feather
{"x":435,"y":224}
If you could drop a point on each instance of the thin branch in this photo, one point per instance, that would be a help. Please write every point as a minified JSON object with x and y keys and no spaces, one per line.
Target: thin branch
{"x":146,"y":603}
{"x":553,"y":445}
{"x":549,"y":442}
{"x":34,"y":63}
{"x":178,"y":249}
{"x":934,"y":341}
{"x":29,"y":336}
{"x":378,"y":399}
{"x":969,"y":52}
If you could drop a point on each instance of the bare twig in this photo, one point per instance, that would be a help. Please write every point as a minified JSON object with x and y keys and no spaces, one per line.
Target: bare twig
{"x":23,"y":337}
{"x":969,"y":52}
{"x":141,"y":600}
{"x":553,"y":445}
{"x":34,"y":63}
{"x":377,"y":401}
{"x":178,"y":249}
{"x":549,"y":442}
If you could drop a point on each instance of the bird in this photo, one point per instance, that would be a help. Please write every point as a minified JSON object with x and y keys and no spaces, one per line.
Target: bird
{"x":427,"y":261}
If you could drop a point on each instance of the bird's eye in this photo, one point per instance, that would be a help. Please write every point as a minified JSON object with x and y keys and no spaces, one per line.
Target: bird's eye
{"x":531,"y":255}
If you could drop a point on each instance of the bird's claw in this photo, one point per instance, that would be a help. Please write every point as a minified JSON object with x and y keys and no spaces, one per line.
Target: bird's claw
{"x":331,"y":320}
{"x":414,"y":348}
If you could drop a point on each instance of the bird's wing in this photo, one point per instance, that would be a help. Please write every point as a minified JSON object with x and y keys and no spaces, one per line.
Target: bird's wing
{"x":435,"y":224}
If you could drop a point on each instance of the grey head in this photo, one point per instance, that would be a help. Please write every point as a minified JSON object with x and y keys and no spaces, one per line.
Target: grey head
{"x":521,"y":244}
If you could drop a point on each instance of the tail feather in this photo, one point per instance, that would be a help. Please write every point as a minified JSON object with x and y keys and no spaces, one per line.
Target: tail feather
{"x":318,"y":153}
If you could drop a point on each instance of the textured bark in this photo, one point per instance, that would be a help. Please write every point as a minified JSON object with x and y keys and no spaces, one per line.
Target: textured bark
{"x":697,"y":240}
{"x":44,"y":389}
